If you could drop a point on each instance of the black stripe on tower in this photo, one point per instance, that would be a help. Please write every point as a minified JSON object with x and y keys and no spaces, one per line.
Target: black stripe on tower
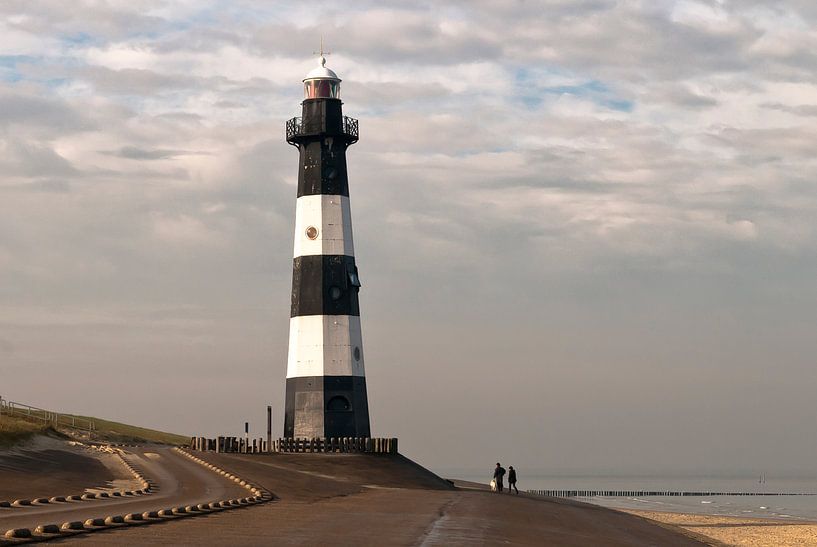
{"x":322,"y":171}
{"x":324,"y":285}
{"x":339,"y":401}
{"x":322,"y":145}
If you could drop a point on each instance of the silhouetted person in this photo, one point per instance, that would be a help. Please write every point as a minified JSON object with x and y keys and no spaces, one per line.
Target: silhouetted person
{"x":512,"y":479}
{"x":499,"y":472}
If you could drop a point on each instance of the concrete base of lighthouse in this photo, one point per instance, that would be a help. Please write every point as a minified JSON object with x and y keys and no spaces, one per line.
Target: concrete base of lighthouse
{"x":326,"y":406}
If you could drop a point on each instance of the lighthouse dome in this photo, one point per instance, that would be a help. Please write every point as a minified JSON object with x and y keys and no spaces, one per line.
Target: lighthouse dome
{"x":321,"y":72}
{"x":322,"y":82}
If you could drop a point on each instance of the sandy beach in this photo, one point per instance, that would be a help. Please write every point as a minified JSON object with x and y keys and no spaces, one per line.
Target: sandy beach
{"x":739,"y":531}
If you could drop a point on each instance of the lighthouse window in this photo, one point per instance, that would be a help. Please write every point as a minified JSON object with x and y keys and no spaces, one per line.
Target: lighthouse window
{"x":354,"y":280}
{"x":321,"y":89}
{"x":338,"y":403}
{"x":335,"y":293}
{"x":312,"y":232}
{"x":357,"y":354}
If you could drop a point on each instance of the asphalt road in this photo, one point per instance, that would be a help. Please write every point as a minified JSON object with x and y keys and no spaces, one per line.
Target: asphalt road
{"x":180,"y":482}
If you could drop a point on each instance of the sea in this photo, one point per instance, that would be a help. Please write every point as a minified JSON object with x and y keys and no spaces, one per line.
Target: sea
{"x":800,"y":507}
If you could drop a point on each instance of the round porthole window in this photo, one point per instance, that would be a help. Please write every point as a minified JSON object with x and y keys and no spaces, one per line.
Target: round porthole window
{"x":335,"y":292}
{"x":357,"y":354}
{"x":312,"y":232}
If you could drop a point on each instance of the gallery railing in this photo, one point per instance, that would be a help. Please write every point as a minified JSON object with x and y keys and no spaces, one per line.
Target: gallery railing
{"x":295,"y":128}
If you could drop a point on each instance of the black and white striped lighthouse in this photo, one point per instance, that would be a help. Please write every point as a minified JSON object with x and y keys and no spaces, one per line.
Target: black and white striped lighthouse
{"x":326,"y":385}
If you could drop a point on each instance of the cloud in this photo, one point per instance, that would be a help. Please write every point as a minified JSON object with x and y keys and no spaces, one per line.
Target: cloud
{"x":134,"y":153}
{"x":797,"y":110}
{"x":21,"y":159}
{"x":24,"y":109}
{"x":569,"y":195}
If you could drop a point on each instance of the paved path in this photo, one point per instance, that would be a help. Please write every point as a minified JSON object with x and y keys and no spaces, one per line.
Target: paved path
{"x":180,"y":482}
{"x":352,"y":499}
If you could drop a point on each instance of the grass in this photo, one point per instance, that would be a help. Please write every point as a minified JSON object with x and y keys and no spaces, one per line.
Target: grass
{"x":13,"y":429}
{"x":17,"y":428}
{"x":119,"y":432}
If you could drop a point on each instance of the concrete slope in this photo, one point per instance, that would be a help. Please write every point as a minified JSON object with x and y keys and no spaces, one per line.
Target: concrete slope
{"x":46,"y":466}
{"x":180,"y":482}
{"x":356,"y":499}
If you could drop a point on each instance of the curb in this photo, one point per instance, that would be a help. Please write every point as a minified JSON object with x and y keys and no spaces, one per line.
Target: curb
{"x":47,"y":532}
{"x":148,"y":486}
{"x":260,"y":494}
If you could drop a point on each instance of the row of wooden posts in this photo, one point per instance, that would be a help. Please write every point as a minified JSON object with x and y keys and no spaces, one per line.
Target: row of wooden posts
{"x":241,"y":445}
{"x":650,"y":493}
{"x":368,"y":445}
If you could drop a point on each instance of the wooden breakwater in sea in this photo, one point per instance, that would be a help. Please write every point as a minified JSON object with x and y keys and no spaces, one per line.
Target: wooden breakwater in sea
{"x":652,"y":493}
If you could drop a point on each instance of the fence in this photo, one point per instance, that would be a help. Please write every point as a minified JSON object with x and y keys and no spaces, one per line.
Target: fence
{"x":365,"y":445}
{"x":56,"y":419}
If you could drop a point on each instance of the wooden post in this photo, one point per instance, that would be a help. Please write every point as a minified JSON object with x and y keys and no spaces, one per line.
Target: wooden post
{"x":269,"y":427}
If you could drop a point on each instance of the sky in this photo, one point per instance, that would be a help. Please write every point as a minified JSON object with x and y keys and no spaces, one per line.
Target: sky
{"x":585,"y":228}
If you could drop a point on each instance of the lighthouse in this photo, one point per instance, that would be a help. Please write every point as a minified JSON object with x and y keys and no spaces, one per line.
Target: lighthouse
{"x":325,"y":385}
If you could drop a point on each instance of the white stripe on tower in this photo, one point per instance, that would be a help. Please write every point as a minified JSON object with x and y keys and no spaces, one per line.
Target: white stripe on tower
{"x":325,"y":345}
{"x":331,"y":216}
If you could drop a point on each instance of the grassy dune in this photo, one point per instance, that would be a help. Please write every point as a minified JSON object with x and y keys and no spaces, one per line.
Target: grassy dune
{"x":119,"y":432}
{"x":17,"y":428}
{"x":14,"y":430}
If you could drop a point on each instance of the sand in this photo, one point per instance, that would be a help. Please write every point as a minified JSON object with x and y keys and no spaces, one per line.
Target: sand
{"x":180,"y":482}
{"x":45,"y":466}
{"x":739,"y":531}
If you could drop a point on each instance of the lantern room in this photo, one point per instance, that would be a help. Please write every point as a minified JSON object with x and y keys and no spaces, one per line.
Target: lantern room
{"x":322,"y":83}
